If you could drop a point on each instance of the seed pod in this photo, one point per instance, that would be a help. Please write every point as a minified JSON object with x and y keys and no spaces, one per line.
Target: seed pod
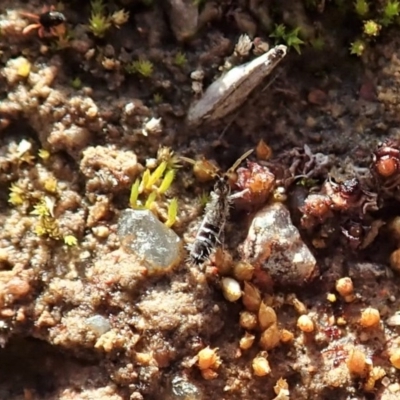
{"x":263,"y":151}
{"x":356,"y":362}
{"x":370,"y":317}
{"x":305,"y":323}
{"x":248,"y":320}
{"x":394,"y":228}
{"x":344,"y":286}
{"x":246,"y":341}
{"x":223,"y":261}
{"x":209,"y":374}
{"x":243,"y":271}
{"x":395,"y":260}
{"x":375,"y":374}
{"x":251,"y":297}
{"x":261,"y":366}
{"x":266,"y":316}
{"x":270,"y":338}
{"x":299,"y":306}
{"x":204,"y":170}
{"x":286,"y":336}
{"x":385,"y":161}
{"x":395,"y":358}
{"x":208,"y":358}
{"x":231,"y":289}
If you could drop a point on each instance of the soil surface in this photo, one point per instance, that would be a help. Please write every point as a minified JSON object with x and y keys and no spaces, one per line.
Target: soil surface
{"x":82,"y":318}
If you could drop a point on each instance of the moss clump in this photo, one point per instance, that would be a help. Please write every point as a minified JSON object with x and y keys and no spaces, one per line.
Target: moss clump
{"x":101,"y":21}
{"x":17,"y":195}
{"x":70,"y":240}
{"x":151,"y":188}
{"x":180,"y":59}
{"x":374,"y":16}
{"x":290,"y":38}
{"x":142,"y":67}
{"x":47,"y":225}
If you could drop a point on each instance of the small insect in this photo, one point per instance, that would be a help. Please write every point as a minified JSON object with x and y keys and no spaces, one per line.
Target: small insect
{"x":216,"y":213}
{"x":48,"y":23}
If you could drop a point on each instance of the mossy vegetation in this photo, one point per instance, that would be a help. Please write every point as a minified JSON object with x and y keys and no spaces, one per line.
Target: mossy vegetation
{"x":148,"y":191}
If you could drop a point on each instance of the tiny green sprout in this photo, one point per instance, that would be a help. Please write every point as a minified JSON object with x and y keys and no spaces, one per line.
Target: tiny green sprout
{"x":17,"y":195}
{"x":371,"y":28}
{"x":70,"y":240}
{"x":165,"y":153}
{"x":279,"y":32}
{"x":390,"y":12}
{"x":156,"y":175}
{"x":133,"y":198}
{"x":307,"y":182}
{"x":142,"y":67}
{"x":357,"y":47}
{"x":172,"y":212}
{"x":50,"y":184}
{"x":291,"y":39}
{"x":167,"y":181}
{"x":150,"y":200}
{"x":47,"y":224}
{"x":361,"y":7}
{"x":97,"y":6}
{"x":318,"y":43}
{"x":158,"y":98}
{"x":44,"y":154}
{"x":99,"y":24}
{"x":76,"y":83}
{"x":44,"y":208}
{"x":180,"y":59}
{"x":145,"y":180}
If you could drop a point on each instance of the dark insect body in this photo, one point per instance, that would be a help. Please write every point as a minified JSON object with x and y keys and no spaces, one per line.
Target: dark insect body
{"x":212,"y":226}
{"x":210,"y":232}
{"x":50,"y":19}
{"x":48,"y":23}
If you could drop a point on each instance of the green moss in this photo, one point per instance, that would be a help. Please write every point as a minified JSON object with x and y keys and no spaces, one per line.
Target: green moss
{"x":17,"y":195}
{"x":99,"y":24}
{"x":291,"y":38}
{"x":357,"y":47}
{"x":151,"y":188}
{"x":144,"y":68}
{"x":172,"y":212}
{"x":371,"y":28}
{"x":158,"y":98}
{"x":70,"y":240}
{"x":390,"y":12}
{"x":361,"y":7}
{"x":180,"y":59}
{"x":166,"y":182}
{"x":46,"y":225}
{"x":76,"y":83}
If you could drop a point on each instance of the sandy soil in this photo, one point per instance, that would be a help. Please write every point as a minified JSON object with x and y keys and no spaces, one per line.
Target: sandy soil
{"x":88,"y":320}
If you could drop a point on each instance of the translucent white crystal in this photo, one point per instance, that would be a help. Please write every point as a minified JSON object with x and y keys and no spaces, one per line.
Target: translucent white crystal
{"x":142,"y":234}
